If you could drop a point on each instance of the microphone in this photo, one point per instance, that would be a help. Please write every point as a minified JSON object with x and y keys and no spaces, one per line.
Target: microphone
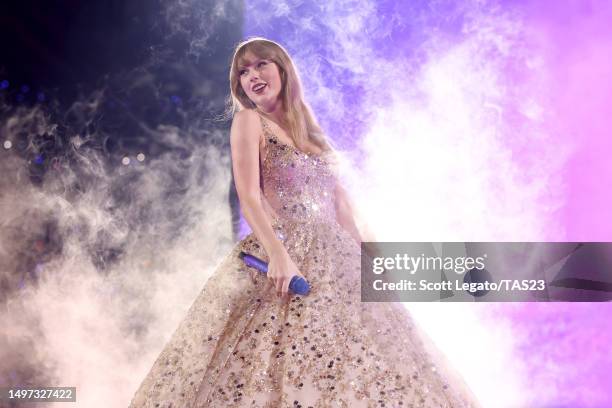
{"x":297,"y":285}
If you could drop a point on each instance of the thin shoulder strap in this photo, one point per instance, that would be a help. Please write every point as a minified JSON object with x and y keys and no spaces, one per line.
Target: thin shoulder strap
{"x":264,"y":124}
{"x":265,"y":131}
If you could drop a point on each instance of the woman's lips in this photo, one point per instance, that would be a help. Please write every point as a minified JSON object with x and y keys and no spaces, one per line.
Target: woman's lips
{"x":261,"y":89}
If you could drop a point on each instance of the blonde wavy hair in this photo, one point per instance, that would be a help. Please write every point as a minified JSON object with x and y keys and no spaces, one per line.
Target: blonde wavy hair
{"x":299,"y":120}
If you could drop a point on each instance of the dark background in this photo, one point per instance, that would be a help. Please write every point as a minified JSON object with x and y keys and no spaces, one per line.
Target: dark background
{"x":111,"y":73}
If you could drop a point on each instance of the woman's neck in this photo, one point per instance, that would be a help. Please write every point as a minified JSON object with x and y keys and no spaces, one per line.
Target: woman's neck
{"x":274,"y":113}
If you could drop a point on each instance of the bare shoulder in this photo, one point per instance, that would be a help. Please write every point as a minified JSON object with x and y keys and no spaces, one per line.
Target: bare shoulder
{"x":245,"y":114}
{"x":246,"y":120}
{"x":245,"y":128}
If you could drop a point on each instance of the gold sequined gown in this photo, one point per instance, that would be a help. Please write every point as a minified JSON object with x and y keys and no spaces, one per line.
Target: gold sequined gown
{"x":241,"y":346}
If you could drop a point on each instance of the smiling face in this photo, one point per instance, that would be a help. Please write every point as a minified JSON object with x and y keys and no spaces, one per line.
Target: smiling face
{"x":260,"y":79}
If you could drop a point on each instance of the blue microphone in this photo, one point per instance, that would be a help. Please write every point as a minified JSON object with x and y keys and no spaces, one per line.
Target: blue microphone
{"x":298,"y":285}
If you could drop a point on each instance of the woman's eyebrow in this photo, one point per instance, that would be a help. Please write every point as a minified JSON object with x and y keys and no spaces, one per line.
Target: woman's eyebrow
{"x":248,"y":63}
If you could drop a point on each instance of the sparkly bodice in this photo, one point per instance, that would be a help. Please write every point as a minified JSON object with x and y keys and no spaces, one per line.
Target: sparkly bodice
{"x":298,"y":186}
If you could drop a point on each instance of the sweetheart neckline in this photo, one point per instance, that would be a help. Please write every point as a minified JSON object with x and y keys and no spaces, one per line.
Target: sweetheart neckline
{"x":295,"y":149}
{"x":268,"y":130}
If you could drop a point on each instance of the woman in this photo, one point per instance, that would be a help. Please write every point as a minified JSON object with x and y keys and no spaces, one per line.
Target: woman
{"x":249,"y":342}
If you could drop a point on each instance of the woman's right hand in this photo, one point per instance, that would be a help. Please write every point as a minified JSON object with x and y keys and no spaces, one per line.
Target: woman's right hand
{"x":281,"y":269}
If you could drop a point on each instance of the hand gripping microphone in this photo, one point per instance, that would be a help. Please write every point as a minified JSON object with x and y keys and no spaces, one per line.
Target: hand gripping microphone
{"x":298,"y":285}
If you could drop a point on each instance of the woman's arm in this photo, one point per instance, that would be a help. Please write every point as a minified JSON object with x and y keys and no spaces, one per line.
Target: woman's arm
{"x":244,"y":140}
{"x":348,"y":218}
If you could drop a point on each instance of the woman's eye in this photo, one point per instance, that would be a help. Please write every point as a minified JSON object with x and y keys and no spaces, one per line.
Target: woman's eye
{"x":262,"y":63}
{"x":242,"y":72}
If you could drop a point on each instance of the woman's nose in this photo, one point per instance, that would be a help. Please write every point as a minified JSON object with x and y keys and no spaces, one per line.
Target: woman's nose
{"x":252,"y":75}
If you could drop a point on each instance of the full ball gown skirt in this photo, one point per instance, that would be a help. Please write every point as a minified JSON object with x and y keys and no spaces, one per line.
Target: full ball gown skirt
{"x":242,"y":346}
